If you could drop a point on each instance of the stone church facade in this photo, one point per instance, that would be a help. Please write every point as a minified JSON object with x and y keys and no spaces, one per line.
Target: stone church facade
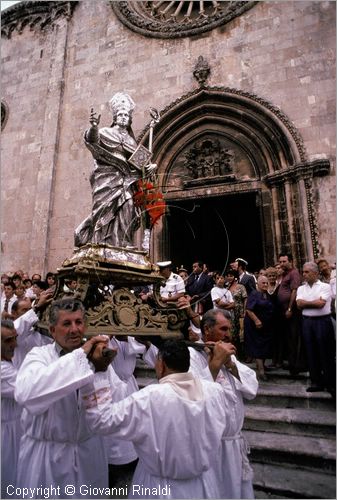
{"x":245,"y":145}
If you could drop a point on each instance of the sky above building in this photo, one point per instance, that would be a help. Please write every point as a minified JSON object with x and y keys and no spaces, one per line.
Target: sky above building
{"x":4,"y":5}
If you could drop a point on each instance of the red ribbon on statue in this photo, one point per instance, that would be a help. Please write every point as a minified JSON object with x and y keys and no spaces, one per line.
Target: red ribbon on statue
{"x":151,"y":201}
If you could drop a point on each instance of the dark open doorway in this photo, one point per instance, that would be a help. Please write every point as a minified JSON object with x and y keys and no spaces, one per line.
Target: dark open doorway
{"x":215,"y":230}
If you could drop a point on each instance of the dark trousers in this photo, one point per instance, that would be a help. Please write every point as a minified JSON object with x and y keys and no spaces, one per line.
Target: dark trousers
{"x":290,"y":345}
{"x":120,"y":478}
{"x":320,"y":344}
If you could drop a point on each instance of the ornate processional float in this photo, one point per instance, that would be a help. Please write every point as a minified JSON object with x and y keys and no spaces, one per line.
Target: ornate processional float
{"x":107,"y":266}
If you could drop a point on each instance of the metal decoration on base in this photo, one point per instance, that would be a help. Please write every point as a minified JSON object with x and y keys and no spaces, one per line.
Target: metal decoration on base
{"x":96,"y":267}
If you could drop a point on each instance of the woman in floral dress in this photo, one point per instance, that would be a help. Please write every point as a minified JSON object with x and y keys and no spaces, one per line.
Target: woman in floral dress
{"x":240,"y":298}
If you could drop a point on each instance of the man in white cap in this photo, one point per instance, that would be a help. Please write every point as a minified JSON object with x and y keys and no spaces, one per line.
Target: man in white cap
{"x":174,"y":287}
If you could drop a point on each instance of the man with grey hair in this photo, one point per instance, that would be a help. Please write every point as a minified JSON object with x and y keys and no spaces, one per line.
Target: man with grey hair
{"x":57,"y":447}
{"x":314,"y":299}
{"x":238,"y":381}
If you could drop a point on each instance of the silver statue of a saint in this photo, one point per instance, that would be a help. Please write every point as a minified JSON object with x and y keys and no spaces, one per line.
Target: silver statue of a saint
{"x":118,"y":164}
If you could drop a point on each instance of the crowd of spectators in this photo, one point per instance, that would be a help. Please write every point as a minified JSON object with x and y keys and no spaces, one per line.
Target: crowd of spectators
{"x":266,"y":321}
{"x":235,"y":317}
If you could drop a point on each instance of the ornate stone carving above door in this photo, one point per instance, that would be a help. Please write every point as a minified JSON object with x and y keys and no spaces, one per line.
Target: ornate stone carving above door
{"x":208,"y":160}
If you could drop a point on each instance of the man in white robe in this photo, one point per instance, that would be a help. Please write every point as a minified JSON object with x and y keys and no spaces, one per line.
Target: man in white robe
{"x":10,"y":409}
{"x":25,"y":316}
{"x":176,"y":428}
{"x":122,"y":456}
{"x":238,"y":381}
{"x":57,"y":448}
{"x":16,"y":340}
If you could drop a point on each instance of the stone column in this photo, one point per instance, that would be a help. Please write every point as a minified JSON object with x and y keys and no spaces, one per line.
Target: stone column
{"x":277,"y":227}
{"x":306,"y":223}
{"x":288,"y":192}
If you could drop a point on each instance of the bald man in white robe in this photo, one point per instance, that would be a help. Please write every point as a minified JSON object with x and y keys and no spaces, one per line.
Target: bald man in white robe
{"x":176,"y":428}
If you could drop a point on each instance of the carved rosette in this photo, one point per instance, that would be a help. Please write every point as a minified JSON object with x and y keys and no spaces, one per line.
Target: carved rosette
{"x":36,"y":15}
{"x":166,"y":19}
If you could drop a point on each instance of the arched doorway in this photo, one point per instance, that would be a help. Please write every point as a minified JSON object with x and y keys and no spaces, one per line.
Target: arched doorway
{"x":222,"y":147}
{"x":210,"y":229}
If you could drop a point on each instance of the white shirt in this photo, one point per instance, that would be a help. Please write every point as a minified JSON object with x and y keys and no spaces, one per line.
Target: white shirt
{"x":30,"y":293}
{"x":221,"y":293}
{"x":10,"y":303}
{"x":314,"y":292}
{"x":174,"y":284}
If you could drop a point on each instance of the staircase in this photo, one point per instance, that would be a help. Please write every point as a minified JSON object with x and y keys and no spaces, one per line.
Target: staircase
{"x":292,"y":439}
{"x":291,"y":434}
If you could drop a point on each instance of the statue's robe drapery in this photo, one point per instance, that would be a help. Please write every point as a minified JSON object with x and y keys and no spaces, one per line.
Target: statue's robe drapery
{"x":114,"y":218}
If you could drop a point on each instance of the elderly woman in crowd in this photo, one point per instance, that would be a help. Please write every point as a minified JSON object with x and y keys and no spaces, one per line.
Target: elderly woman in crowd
{"x":259,"y":326}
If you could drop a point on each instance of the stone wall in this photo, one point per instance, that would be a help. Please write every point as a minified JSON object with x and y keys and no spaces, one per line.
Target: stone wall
{"x":284,"y":52}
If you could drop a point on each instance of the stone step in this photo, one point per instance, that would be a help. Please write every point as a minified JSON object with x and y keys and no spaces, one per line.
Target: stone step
{"x":284,"y":377}
{"x":291,"y":396}
{"x":314,"y":423}
{"x":271,"y":481}
{"x":303,"y":451}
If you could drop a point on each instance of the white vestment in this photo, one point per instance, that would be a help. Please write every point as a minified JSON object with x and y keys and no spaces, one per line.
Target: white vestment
{"x":124,"y":363}
{"x":150,"y":356}
{"x":27,"y":336}
{"x":57,"y":448}
{"x":10,"y":427}
{"x":176,"y":427}
{"x":234,"y":465}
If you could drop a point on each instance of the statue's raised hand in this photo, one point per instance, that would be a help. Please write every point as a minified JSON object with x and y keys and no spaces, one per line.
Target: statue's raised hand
{"x":94,"y":120}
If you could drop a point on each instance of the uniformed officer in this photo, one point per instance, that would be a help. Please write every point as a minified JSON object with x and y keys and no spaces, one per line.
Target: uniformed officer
{"x":174,"y":286}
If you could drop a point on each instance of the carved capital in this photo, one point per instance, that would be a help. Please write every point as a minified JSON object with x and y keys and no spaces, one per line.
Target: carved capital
{"x":36,"y":15}
{"x":306,"y":170}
